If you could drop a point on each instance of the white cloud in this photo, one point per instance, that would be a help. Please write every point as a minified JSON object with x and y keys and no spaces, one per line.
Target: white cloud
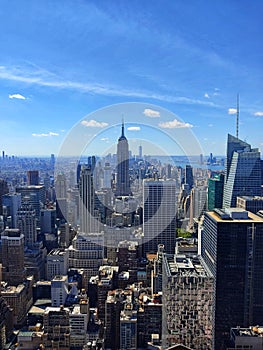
{"x":258,"y":114}
{"x":104,"y":139}
{"x":134,"y":128}
{"x":46,"y":135}
{"x":93,"y":123}
{"x":151,"y":113}
{"x":17,"y":96}
{"x":232,"y":110}
{"x":206,"y":95}
{"x":175,"y":124}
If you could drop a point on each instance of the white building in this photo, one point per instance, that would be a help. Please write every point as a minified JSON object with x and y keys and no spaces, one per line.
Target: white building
{"x":57,"y":263}
{"x":59,"y":290}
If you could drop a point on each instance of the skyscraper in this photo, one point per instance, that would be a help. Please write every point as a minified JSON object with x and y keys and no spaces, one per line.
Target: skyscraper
{"x":187,"y":302}
{"x":26,"y":222}
{"x":87,"y":194}
{"x":231,"y":246}
{"x":159,"y":222}
{"x":189,"y":179}
{"x":33,"y":177}
{"x":215,"y":192}
{"x":242,"y":173}
{"x":11,"y":204}
{"x":123,"y":180}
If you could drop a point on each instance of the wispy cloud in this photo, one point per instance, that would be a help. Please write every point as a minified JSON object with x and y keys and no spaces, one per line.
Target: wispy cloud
{"x":206,"y":95}
{"x":258,"y":114}
{"x":174,"y":124}
{"x":42,"y":77}
{"x":232,"y":110}
{"x":151,"y":113}
{"x":49,"y":134}
{"x":17,"y":96}
{"x":104,"y":139}
{"x":93,"y":123}
{"x":134,"y":128}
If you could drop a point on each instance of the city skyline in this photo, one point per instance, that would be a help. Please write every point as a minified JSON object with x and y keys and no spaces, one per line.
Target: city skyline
{"x":62,"y":65}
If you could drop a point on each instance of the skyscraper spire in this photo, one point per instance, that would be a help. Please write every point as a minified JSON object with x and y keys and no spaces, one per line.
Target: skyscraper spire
{"x":123,"y":180}
{"x":237,"y":120}
{"x":122,"y":128}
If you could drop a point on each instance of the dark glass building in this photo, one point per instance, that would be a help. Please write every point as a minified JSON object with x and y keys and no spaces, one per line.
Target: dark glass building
{"x":232,"y":248}
{"x":215,"y":192}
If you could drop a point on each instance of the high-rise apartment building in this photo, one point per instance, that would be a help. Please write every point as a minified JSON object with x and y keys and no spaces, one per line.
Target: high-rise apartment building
{"x":123,"y":178}
{"x":159,"y":214}
{"x":231,"y":246}
{"x":242,"y":173}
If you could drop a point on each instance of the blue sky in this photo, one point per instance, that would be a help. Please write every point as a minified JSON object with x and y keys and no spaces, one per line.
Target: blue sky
{"x":63,"y":62}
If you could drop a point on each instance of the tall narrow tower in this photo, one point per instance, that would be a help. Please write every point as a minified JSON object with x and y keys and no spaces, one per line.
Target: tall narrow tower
{"x":123,"y":180}
{"x":242,"y":173}
{"x":86,"y":190}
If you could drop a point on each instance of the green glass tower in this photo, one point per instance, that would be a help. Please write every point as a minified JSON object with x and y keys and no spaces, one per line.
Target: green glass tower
{"x":215,"y":192}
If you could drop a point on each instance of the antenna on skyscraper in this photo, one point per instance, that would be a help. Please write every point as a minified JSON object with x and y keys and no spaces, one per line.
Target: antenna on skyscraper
{"x":122,"y":126}
{"x":237,"y":121}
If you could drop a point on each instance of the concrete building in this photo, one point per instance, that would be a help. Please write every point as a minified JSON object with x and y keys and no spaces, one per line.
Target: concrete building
{"x":87,"y":252}
{"x":59,"y":290}
{"x":27,"y":223}
{"x":107,"y":281}
{"x":20,"y":299}
{"x":187,"y":302}
{"x":35,"y":195}
{"x":57,"y":263}
{"x":56,"y":328}
{"x":13,"y":267}
{"x":6,"y":322}
{"x":78,"y":324}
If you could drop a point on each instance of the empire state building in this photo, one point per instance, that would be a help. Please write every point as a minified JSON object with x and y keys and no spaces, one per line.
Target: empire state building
{"x":123,"y":180}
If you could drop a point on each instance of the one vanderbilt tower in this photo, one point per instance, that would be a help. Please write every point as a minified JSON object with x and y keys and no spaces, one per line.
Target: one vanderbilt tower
{"x":123,"y":179}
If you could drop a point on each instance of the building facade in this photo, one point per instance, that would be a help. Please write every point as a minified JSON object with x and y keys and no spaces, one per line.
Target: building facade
{"x":232,"y":246}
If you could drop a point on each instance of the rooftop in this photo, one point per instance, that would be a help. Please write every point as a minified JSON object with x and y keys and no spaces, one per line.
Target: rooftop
{"x":220,"y":215}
